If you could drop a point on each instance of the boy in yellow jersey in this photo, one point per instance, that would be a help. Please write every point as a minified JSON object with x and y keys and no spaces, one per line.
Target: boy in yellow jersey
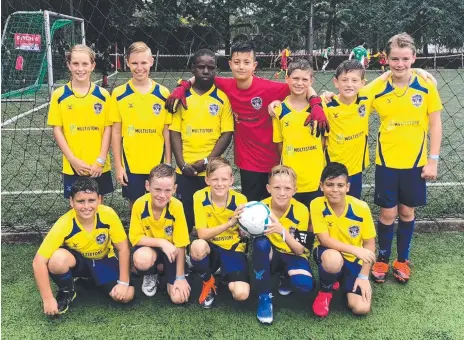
{"x":201,"y":132}
{"x":408,"y":108}
{"x":140,"y":137}
{"x":217,"y":208}
{"x":284,"y":247}
{"x":348,"y":115}
{"x":79,"y":114}
{"x":345,"y":242}
{"x":158,"y":232}
{"x":80,"y":244}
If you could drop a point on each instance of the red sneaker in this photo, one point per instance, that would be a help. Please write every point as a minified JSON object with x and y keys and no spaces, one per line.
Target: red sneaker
{"x":401,"y":271}
{"x":321,"y":304}
{"x":379,"y":271}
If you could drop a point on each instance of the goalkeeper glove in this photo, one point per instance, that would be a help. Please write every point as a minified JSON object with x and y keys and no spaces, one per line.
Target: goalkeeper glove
{"x":317,"y":117}
{"x":178,"y":96}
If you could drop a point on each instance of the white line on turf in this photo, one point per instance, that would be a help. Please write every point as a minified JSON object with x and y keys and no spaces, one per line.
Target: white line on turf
{"x":21,"y":115}
{"x":28,"y":129}
{"x":238,"y":187}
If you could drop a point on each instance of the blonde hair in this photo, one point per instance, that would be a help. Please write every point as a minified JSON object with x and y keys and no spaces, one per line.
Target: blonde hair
{"x":82,"y":48}
{"x":216,"y":163}
{"x":402,"y":40}
{"x":280,"y":170}
{"x":137,"y":47}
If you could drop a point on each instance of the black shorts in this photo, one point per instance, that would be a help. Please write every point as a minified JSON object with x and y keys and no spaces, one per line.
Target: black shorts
{"x":186,"y":187}
{"x":105,"y":183}
{"x":307,"y":197}
{"x":254,"y":185}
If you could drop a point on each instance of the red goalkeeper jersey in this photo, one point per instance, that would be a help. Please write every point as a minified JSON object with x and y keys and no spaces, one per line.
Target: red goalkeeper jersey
{"x":254,"y":149}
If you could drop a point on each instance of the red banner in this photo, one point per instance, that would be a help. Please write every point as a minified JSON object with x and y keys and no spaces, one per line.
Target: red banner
{"x":27,"y":42}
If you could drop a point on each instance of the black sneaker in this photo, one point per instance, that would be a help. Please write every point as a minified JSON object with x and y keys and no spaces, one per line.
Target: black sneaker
{"x":64,"y":299}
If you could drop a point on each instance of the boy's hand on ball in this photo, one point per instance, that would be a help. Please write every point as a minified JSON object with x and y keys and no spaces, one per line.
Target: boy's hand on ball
{"x":237,"y":212}
{"x":274,"y":226}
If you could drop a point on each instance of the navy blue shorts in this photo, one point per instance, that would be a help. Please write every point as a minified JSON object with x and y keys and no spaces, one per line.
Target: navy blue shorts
{"x":105,"y":183}
{"x":186,"y":187}
{"x":283,"y":263}
{"x":233,"y":264}
{"x":349,"y":273}
{"x":399,"y":186}
{"x":104,"y":272}
{"x":169,"y":269}
{"x":307,"y":197}
{"x":355,"y":185}
{"x":254,"y":184}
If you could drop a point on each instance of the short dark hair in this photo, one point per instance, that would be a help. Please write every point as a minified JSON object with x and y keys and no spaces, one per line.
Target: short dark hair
{"x":348,"y":66}
{"x":334,"y":170}
{"x":162,"y":171}
{"x":84,"y":184}
{"x":201,"y":52}
{"x":299,"y":64}
{"x":243,"y":46}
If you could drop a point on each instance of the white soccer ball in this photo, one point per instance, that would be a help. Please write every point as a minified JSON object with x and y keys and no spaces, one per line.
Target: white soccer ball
{"x":255,"y":218}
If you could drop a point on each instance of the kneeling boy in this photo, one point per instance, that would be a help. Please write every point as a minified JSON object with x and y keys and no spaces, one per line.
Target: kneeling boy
{"x":158,"y":231}
{"x":80,"y":244}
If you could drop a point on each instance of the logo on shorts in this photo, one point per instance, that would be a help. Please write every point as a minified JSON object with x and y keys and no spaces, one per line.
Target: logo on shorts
{"x":362,"y":110}
{"x":213,"y":109}
{"x":416,"y":100}
{"x":353,"y":230}
{"x":257,"y":103}
{"x":292,"y":231}
{"x":168,"y":230}
{"x":101,"y":238}
{"x":156,"y":109}
{"x":98,"y":108}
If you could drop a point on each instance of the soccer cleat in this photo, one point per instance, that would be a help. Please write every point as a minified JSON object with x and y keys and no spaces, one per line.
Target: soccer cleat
{"x":401,"y":271}
{"x":64,"y":299}
{"x":321,"y":304}
{"x":379,"y":271}
{"x":208,"y":293}
{"x":284,"y":286}
{"x":336,"y":286}
{"x":265,"y":313}
{"x":150,"y":284}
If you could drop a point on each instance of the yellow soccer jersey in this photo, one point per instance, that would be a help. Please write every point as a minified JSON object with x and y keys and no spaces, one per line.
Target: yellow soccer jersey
{"x":296,"y":221}
{"x":94,"y":245}
{"x":83,"y":119}
{"x":171,"y":226}
{"x":207,"y":215}
{"x":353,"y":227}
{"x":201,"y":125}
{"x":142,"y":118}
{"x":349,"y":128}
{"x":404,"y":121}
{"x":300,"y":150}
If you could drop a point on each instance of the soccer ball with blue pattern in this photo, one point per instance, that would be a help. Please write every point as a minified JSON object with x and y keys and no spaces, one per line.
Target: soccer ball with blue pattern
{"x":255,"y":218}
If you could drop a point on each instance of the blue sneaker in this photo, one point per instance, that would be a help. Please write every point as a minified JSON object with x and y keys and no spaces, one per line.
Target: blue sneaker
{"x":284,"y":286}
{"x":265,"y":314}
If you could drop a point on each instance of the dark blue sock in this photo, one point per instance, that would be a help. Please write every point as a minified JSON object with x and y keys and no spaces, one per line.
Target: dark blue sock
{"x":202,"y":267}
{"x":327,"y":279}
{"x":301,"y":283}
{"x":385,"y":236}
{"x":404,"y":238}
{"x":63,"y":281}
{"x":262,"y":264}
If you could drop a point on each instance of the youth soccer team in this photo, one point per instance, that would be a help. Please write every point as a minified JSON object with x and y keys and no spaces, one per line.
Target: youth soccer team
{"x":310,"y":177}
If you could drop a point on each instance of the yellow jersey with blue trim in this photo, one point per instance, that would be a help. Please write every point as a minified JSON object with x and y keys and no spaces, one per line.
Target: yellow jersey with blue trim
{"x":404,"y":121}
{"x":301,"y":150}
{"x":207,"y":117}
{"x":143,"y":118}
{"x":296,"y":221}
{"x":208,"y":215}
{"x":96,"y":244}
{"x":171,"y":225}
{"x":352,"y":227}
{"x":83,"y":119}
{"x":349,"y":129}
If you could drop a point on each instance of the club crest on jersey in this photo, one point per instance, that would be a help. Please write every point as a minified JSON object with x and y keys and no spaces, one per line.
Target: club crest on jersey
{"x":101,"y":238}
{"x":353,"y":230}
{"x":362,"y":110}
{"x":98,"y":108}
{"x":416,"y":100}
{"x":257,"y":103}
{"x":168,"y":230}
{"x":156,"y":109}
{"x":213,"y":109}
